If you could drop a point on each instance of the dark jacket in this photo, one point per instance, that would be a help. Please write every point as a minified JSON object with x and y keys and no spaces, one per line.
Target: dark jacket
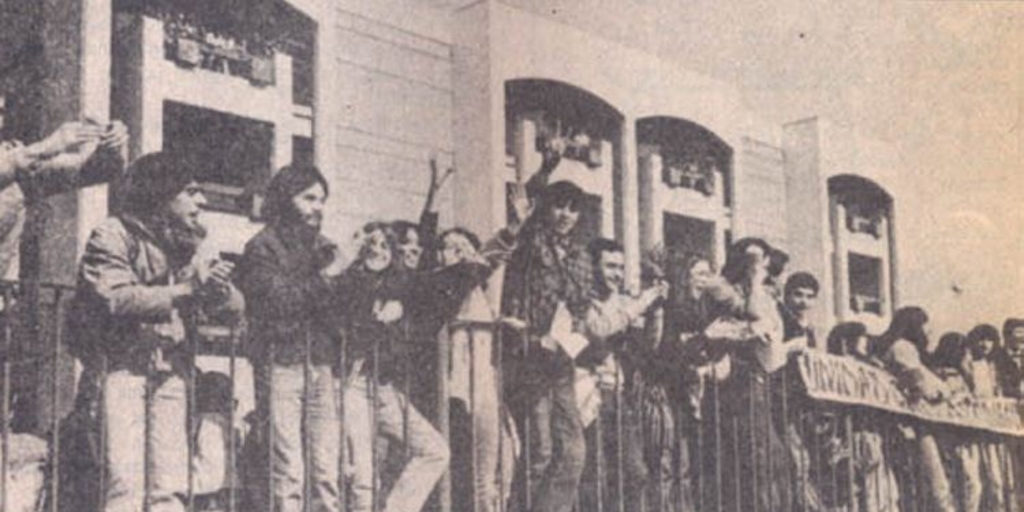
{"x":287,"y":298}
{"x":357,"y":290}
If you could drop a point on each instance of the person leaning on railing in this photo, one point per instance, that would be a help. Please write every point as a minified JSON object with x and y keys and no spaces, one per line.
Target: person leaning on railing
{"x":749,"y":324}
{"x":874,"y":482}
{"x":372,"y":297}
{"x":139,"y":282}
{"x":902,"y":346}
{"x":286,"y":273}
{"x":986,"y":368}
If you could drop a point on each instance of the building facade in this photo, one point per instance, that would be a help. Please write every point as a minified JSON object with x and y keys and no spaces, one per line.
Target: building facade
{"x":370,"y":91}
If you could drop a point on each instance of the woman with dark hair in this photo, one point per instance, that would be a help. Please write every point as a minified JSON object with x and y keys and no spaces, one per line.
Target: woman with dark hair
{"x":986,"y":358}
{"x":902,"y":346}
{"x":286,"y":273}
{"x":373,"y":298}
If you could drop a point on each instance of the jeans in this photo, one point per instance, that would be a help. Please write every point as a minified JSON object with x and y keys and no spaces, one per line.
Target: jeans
{"x":557,"y":447}
{"x":394,"y":418}
{"x":935,"y":483}
{"x":146,"y":443}
{"x":619,"y":449}
{"x":292,"y":413}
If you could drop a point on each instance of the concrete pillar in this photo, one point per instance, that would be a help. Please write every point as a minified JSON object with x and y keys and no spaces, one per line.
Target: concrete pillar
{"x":627,"y":189}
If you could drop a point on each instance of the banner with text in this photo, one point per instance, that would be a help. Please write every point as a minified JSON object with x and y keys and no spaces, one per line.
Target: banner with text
{"x":848,"y":381}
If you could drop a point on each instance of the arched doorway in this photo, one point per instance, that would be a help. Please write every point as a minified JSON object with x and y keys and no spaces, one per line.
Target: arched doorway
{"x":685,"y":189}
{"x":537,"y":110}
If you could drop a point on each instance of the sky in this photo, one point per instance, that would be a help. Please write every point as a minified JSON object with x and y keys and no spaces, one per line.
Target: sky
{"x":942,"y":82}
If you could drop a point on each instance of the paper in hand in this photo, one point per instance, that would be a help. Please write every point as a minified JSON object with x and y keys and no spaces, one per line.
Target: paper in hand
{"x":561,"y":331}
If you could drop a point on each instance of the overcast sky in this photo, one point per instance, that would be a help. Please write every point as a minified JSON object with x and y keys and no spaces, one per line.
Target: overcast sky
{"x":941,"y":81}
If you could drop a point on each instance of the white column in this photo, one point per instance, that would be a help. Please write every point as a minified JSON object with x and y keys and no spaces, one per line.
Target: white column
{"x":94,"y":100}
{"x":628,"y":215}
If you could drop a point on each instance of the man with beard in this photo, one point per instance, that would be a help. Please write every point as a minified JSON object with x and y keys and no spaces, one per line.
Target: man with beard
{"x":138,"y":283}
{"x":286,"y":274}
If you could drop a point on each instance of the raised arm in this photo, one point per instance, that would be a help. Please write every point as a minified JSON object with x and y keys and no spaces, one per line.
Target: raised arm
{"x":552,"y":156}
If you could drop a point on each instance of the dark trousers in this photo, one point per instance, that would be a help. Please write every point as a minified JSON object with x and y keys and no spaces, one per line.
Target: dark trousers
{"x":557,"y":448}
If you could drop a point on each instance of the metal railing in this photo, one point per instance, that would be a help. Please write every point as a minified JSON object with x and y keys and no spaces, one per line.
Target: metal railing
{"x":756,"y":442}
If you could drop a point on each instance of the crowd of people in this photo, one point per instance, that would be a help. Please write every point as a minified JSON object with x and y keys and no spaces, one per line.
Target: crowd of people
{"x":567,"y":392}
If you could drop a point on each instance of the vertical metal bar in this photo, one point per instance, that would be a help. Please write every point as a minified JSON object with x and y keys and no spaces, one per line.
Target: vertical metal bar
{"x":270,"y":419}
{"x":599,"y":458}
{"x":232,"y":441}
{"x":787,"y":489}
{"x":737,"y":490}
{"x":528,"y":444}
{"x":374,"y":398}
{"x":754,"y":427}
{"x":804,"y":471}
{"x":697,"y":470}
{"x":496,"y":346}
{"x":407,"y":387}
{"x":147,"y":449}
{"x":190,"y":410}
{"x":5,"y":412}
{"x":619,"y":481}
{"x":718,"y":459}
{"x":101,"y":419}
{"x":307,"y":448}
{"x":682,"y":456}
{"x":55,"y":447}
{"x":850,"y":468}
{"x":833,"y":464}
{"x":474,"y":460}
{"x":444,"y":487}
{"x":342,"y":434}
{"x":768,"y":427}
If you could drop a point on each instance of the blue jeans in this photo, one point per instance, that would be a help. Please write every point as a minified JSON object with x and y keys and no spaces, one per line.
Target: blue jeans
{"x":394,"y":418}
{"x":557,"y":447}
{"x":283,"y":395}
{"x":146,"y":441}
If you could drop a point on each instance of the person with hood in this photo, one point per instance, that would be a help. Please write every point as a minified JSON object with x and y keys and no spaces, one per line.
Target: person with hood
{"x":286,"y":274}
{"x":139,"y":282}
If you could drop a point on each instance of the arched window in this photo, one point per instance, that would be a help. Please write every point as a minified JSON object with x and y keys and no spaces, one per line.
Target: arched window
{"x":861,"y":221}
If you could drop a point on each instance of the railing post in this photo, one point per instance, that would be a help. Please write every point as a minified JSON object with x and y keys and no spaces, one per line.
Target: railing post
{"x":232,"y":442}
{"x":5,"y":402}
{"x":55,"y":401}
{"x":444,"y":491}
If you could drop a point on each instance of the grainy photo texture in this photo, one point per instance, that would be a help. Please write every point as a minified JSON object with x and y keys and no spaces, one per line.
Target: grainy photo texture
{"x":511,"y":256}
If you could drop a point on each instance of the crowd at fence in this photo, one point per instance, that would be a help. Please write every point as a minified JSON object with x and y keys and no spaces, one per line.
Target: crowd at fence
{"x":435,"y":370}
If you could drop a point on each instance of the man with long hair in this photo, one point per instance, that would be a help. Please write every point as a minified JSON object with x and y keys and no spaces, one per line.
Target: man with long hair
{"x":139,"y":281}
{"x":286,"y":273}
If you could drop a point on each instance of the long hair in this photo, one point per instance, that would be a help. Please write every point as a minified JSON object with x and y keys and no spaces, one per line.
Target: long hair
{"x":842,"y":337}
{"x":982,"y":333}
{"x":907,"y":324}
{"x":285,"y":185}
{"x":152,"y":181}
{"x":362,"y":237}
{"x":950,"y":351}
